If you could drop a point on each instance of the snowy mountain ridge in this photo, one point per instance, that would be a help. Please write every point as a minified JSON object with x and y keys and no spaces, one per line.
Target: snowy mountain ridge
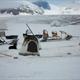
{"x":40,"y":8}
{"x":62,"y":10}
{"x":25,"y":7}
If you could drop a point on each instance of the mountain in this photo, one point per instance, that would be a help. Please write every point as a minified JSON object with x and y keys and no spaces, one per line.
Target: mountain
{"x":40,"y":7}
{"x":71,"y":10}
{"x":42,"y":4}
{"x":28,"y":8}
{"x":62,"y":10}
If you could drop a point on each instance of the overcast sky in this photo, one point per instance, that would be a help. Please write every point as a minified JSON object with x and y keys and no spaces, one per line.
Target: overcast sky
{"x":55,"y":2}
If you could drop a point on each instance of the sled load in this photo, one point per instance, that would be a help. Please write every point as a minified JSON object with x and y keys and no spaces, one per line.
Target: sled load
{"x":30,"y":45}
{"x":13,"y":39}
{"x":61,"y":35}
{"x":2,"y":36}
{"x":7,"y":39}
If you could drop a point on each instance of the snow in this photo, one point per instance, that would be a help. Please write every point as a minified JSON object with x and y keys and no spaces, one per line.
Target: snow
{"x":54,"y":63}
{"x":19,"y":8}
{"x":30,"y":8}
{"x":63,"y":10}
{"x":24,"y":5}
{"x":40,"y":68}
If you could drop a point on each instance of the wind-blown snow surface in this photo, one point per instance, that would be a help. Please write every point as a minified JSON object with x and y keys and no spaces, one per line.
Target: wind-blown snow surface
{"x":54,"y":62}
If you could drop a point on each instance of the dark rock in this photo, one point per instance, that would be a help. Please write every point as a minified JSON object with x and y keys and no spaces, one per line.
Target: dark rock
{"x":69,"y":53}
{"x":43,"y":4}
{"x":15,"y":57}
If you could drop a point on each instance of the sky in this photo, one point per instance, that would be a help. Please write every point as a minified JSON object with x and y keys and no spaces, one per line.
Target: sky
{"x":62,"y":2}
{"x":57,"y":2}
{"x":54,"y":2}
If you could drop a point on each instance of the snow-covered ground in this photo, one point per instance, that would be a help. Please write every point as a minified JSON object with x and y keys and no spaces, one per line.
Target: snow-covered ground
{"x":54,"y":62}
{"x":40,"y":68}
